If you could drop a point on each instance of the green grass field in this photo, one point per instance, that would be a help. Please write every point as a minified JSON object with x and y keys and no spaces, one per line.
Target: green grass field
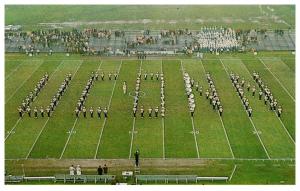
{"x":179,"y":16}
{"x":207,"y":137}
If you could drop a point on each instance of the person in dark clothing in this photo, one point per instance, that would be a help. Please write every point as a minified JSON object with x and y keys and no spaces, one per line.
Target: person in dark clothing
{"x":35,"y":112}
{"x":279,"y":111}
{"x":99,"y":112}
{"x":48,"y":110}
{"x":92,"y":112}
{"x":100,"y":170}
{"x":250,"y":112}
{"x":221,"y":111}
{"x":76,"y":112}
{"x":84,"y":112}
{"x":142,"y":111}
{"x":105,"y":112}
{"x":42,"y":111}
{"x":134,"y":112}
{"x":20,"y":111}
{"x":105,"y":169}
{"x":136,"y":156}
{"x":156,"y":111}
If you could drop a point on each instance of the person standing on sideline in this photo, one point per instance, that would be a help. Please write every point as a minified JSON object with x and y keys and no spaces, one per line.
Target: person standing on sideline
{"x":136,"y":157}
{"x":78,"y":170}
{"x":105,"y":169}
{"x":72,"y":170}
{"x":100,"y":170}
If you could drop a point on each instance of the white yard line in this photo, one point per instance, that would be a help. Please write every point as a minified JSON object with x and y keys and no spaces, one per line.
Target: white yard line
{"x":163,"y":121}
{"x":163,"y":131}
{"x":74,"y":121}
{"x":133,"y":123}
{"x":194,"y":132}
{"x":74,"y":125}
{"x":259,"y":137}
{"x":285,"y":129}
{"x":28,"y":154}
{"x":99,"y":66}
{"x":226,"y":137}
{"x":256,"y":132}
{"x":132,"y":133}
{"x":287,"y":132}
{"x":10,"y":74}
{"x":104,"y":122}
{"x":233,"y":171}
{"x":70,"y":134}
{"x":24,"y":82}
{"x":12,"y":129}
{"x":192,"y":119}
{"x":285,"y":64}
{"x":33,"y":100}
{"x":225,"y":132}
{"x":277,"y":80}
{"x":56,"y":70}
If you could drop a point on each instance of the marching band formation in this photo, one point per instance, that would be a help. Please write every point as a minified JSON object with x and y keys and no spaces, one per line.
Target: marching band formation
{"x":189,"y":83}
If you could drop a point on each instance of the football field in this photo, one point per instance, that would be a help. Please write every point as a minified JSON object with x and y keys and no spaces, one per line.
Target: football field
{"x":177,"y":135}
